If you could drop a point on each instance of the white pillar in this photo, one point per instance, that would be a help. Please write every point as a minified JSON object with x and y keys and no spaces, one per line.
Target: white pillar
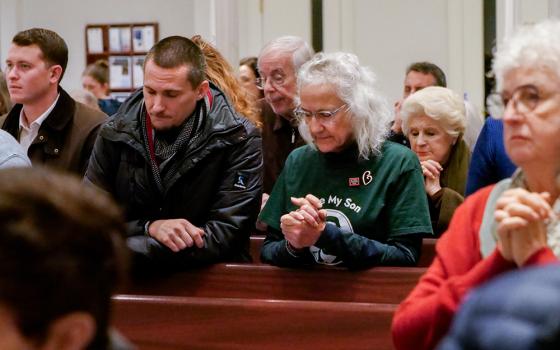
{"x":10,"y":24}
{"x":466,"y":49}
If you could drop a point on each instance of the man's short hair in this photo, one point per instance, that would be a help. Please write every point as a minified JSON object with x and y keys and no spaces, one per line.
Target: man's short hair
{"x":175,"y":51}
{"x":61,"y":251}
{"x":429,"y":68}
{"x":52,"y":46}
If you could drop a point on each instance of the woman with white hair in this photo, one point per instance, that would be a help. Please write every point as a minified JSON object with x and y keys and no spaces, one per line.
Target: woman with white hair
{"x":348,"y":197}
{"x":433,"y":119}
{"x":513,"y":224}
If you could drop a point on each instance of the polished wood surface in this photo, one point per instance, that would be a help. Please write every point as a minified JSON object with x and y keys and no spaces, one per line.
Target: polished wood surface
{"x":375,"y":285}
{"x":258,"y":306}
{"x":428,"y":252}
{"x":218,"y":323}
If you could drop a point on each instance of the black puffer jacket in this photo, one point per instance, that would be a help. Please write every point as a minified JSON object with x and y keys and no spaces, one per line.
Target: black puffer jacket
{"x":218,"y":187}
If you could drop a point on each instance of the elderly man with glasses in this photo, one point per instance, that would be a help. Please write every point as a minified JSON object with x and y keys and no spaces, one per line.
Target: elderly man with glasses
{"x":278,"y":64}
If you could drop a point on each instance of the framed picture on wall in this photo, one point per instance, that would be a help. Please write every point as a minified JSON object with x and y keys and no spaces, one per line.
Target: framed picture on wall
{"x":94,"y":40}
{"x":123,"y":46}
{"x":137,"y":71}
{"x":143,"y":38}
{"x":120,"y":72}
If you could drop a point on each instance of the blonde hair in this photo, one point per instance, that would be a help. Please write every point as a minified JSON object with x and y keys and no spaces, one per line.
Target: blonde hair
{"x":439,"y":103}
{"x":221,"y":73}
{"x":5,"y":102}
{"x":98,"y":71}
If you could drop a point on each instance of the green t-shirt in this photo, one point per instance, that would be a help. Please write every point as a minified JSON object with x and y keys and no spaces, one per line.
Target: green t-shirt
{"x":379,"y":199}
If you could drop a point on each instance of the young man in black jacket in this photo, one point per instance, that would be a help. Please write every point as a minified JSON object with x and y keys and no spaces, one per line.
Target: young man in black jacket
{"x":186,"y":167}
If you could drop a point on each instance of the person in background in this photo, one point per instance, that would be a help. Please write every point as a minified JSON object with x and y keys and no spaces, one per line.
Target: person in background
{"x":11,"y":152}
{"x":489,"y":162}
{"x":418,"y":76}
{"x":185,"y":166}
{"x":52,"y":128}
{"x":220,"y":72}
{"x":62,"y":256}
{"x":279,"y":61}
{"x":347,"y":198}
{"x":248,"y":75}
{"x":85,"y":97}
{"x":5,"y":103}
{"x":433,"y":119}
{"x":95,"y":79}
{"x":514,"y":224}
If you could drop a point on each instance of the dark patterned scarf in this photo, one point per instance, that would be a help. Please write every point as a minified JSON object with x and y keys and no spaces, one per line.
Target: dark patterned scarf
{"x":169,"y":143}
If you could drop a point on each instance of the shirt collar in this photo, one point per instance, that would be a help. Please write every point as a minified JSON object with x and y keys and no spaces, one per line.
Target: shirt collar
{"x":37,"y":122}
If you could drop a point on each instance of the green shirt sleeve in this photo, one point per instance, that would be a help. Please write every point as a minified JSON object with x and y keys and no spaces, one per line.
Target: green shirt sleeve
{"x":408,"y":210}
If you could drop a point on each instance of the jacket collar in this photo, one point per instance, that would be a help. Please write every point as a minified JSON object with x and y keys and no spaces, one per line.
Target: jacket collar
{"x":125,"y":125}
{"x":62,"y":113}
{"x":56,"y":121}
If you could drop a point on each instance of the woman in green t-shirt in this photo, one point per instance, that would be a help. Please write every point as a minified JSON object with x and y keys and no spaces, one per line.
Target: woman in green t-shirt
{"x":348,"y":197}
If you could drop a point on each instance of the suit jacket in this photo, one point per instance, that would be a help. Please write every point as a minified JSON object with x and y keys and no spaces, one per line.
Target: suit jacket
{"x":279,"y":138}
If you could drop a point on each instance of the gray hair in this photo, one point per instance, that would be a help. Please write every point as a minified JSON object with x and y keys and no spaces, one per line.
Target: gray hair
{"x":439,"y":103}
{"x":355,"y":85}
{"x":85,"y":97}
{"x":531,"y":46}
{"x":299,"y":48}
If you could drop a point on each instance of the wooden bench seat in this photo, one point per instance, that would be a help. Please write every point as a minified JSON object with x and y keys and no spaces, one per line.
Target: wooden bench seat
{"x":428,"y":250}
{"x":379,"y":285}
{"x":217,"y":323}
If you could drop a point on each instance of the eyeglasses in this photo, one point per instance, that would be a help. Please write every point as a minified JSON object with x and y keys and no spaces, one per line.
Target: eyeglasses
{"x":321,"y":116}
{"x":276,"y":79}
{"x":525,"y":99}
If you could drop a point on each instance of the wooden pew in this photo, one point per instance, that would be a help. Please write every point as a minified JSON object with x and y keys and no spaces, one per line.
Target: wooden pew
{"x":377,"y":285}
{"x":217,"y":323}
{"x":256,"y":243}
{"x":428,"y":250}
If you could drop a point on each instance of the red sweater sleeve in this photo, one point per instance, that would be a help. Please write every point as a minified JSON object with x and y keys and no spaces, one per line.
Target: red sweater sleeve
{"x":541,"y":257}
{"x":424,"y":317}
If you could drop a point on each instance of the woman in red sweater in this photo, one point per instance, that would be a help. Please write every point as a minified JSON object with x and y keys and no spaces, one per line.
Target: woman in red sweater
{"x":514,"y":223}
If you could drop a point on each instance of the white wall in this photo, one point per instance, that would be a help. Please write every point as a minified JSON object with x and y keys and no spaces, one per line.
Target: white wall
{"x":510,"y":14}
{"x":69,"y":18}
{"x":250,"y":27}
{"x":386,"y":34}
{"x":263,"y":20}
{"x":10,"y":16}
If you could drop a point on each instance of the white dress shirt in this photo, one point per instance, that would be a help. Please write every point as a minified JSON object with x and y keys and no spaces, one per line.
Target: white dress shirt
{"x":28,"y":133}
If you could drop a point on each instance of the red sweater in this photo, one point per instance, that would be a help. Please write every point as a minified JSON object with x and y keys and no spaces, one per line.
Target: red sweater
{"x":425,"y":316}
